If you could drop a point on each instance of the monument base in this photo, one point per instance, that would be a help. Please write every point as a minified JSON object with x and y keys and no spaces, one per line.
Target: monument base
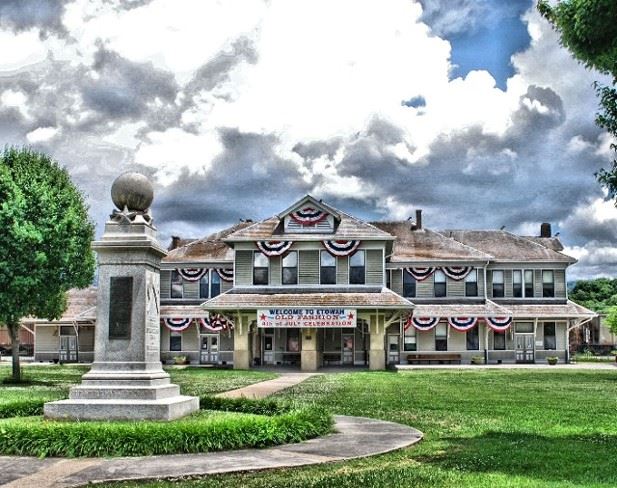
{"x":123,"y":395}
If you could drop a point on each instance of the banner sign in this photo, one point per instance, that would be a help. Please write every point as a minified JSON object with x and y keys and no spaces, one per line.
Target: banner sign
{"x":319,"y":318}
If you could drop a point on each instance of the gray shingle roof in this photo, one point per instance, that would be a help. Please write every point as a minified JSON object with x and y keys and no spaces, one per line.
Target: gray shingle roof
{"x":505,"y":246}
{"x":81,"y":306}
{"x":426,"y":245}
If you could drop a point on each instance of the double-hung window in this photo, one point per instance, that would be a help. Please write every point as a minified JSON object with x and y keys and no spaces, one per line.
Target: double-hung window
{"x":357,"y":268}
{"x":499,"y":341}
{"x":440,"y":283}
{"x":441,"y":337}
{"x":550,"y":338}
{"x":409,"y":285}
{"x":210,"y":285}
{"x":517,"y":283}
{"x":498,"y":290}
{"x":260,"y":268}
{"x":471,"y":284}
{"x":548,"y":283}
{"x":409,"y":340}
{"x":327,"y":269}
{"x":529,"y":283}
{"x":290,"y":268}
{"x":176,"y":285}
{"x":175,"y":341}
{"x":473,"y":339}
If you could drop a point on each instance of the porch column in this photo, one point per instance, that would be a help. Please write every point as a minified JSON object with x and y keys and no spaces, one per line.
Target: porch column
{"x":377,"y":351}
{"x":241,"y":344}
{"x":309,"y":356}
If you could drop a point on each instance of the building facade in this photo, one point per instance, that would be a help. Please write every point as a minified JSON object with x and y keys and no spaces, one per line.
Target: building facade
{"x":314,"y":287}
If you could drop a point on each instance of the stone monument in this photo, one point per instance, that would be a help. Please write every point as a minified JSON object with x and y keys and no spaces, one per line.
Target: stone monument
{"x":127,"y":381}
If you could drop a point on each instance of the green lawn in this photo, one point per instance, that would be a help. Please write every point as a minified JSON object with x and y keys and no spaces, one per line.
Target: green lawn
{"x":52,"y":382}
{"x":508,"y":428}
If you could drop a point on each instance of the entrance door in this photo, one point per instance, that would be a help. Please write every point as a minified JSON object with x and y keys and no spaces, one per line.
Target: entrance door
{"x":68,"y":349}
{"x":393,"y":349}
{"x":268,"y":348}
{"x":347,"y":340}
{"x":209,"y":349}
{"x":524,"y":344}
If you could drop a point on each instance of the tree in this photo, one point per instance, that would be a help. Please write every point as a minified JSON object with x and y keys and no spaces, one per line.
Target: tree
{"x":611,"y":319}
{"x":588,"y":29}
{"x":599,"y":294}
{"x":44,"y":243}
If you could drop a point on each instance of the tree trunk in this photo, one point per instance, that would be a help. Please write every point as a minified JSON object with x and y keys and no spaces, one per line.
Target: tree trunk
{"x":14,"y":333}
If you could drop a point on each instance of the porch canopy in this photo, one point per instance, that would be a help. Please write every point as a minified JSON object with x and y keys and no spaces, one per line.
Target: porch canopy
{"x":368,"y":298}
{"x":447,"y":310}
{"x":568,"y":310}
{"x":178,"y":318}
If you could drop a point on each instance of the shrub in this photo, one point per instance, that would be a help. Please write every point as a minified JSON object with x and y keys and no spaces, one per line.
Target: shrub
{"x":34,"y":436}
{"x":21,"y":408}
{"x":244,"y":405}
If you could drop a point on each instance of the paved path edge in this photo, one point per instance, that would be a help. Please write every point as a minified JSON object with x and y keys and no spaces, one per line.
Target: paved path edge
{"x":357,"y":437}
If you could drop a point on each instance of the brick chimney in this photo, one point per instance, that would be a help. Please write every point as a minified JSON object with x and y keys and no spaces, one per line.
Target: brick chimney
{"x":175,"y":242}
{"x":545,"y":230}
{"x":417,"y":225}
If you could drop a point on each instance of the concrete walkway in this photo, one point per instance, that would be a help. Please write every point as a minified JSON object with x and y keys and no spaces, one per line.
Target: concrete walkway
{"x":355,"y":437}
{"x":266,"y":388}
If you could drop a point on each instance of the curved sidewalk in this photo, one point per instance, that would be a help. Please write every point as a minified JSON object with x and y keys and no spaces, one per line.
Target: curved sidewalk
{"x":355,"y":437}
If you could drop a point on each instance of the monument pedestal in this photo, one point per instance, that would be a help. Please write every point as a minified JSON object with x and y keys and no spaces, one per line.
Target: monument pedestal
{"x":127,"y":380}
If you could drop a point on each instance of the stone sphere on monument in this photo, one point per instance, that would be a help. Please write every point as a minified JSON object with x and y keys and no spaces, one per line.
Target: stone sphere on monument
{"x":133,"y":191}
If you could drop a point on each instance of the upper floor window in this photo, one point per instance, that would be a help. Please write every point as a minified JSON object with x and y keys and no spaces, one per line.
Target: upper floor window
{"x":440,"y":283}
{"x":409,"y":340}
{"x":529,"y":283}
{"x":176,"y":285}
{"x":517,"y":283}
{"x":290,"y":268}
{"x":471,"y":284}
{"x":441,"y":337}
{"x":548,"y":283}
{"x":499,"y":341}
{"x":409,"y":285}
{"x":357,"y":268}
{"x":210,"y":285}
{"x":389,"y":279}
{"x":473,"y":339}
{"x":260,"y":268}
{"x":550,"y":338}
{"x":498,"y":290}
{"x":327,"y":269}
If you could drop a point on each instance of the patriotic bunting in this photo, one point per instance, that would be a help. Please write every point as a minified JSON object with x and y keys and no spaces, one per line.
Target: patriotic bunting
{"x":192,"y":274}
{"x":421,"y":274}
{"x":457,"y":272}
{"x":274,"y":248}
{"x":177,"y":324}
{"x":424,"y":323}
{"x":499,"y":324}
{"x":341,"y":248}
{"x":462,"y":324}
{"x":308,"y":216}
{"x":215,"y":323}
{"x":226,"y":274}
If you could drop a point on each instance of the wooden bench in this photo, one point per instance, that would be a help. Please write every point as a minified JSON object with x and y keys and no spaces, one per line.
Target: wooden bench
{"x":291,"y":358}
{"x":438,"y":358}
{"x":331,"y":357}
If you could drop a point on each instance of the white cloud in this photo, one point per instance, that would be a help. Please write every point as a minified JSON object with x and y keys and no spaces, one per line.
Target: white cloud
{"x":42,"y":134}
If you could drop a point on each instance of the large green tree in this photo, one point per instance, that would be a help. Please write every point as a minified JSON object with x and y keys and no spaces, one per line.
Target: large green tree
{"x":44,"y":240}
{"x":588,"y":29}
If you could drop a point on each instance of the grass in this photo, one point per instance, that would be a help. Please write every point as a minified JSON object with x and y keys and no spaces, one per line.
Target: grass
{"x":507,"y":428}
{"x":46,"y":383}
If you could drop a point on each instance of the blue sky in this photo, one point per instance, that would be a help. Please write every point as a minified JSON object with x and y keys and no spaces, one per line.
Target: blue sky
{"x":468,"y":109}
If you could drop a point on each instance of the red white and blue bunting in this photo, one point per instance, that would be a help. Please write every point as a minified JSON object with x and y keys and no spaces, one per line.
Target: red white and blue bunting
{"x":499,"y":324}
{"x":274,"y":248}
{"x":421,"y":274}
{"x":462,"y":324}
{"x":457,"y":272}
{"x":215,"y":323}
{"x":308,"y":216}
{"x":177,"y":324}
{"x":226,"y":274}
{"x":341,"y":248}
{"x":424,"y":323}
{"x":192,"y":274}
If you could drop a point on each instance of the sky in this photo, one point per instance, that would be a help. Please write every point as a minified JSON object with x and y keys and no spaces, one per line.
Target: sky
{"x":467,"y":109}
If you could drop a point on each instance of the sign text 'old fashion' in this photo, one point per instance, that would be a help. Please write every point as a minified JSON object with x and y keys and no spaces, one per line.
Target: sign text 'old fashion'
{"x":306,"y":317}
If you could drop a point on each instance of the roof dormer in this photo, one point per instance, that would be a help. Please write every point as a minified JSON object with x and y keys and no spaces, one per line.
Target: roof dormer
{"x":309,"y":216}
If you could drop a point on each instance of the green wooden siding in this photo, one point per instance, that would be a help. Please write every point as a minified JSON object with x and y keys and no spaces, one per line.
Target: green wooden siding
{"x":425,"y":289}
{"x":455,"y":288}
{"x":396,"y":282}
{"x":244,"y":268}
{"x":308,"y":267}
{"x":537,"y":277}
{"x":190,"y":289}
{"x":275,"y":270}
{"x":560,"y":283}
{"x":507,"y":283}
{"x":342,"y":271}
{"x":165,"y":283}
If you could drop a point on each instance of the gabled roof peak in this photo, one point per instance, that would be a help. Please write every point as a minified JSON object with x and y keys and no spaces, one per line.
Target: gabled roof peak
{"x":309,"y":200}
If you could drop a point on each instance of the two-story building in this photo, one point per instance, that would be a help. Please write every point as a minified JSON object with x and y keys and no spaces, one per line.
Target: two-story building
{"x":314,"y":286}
